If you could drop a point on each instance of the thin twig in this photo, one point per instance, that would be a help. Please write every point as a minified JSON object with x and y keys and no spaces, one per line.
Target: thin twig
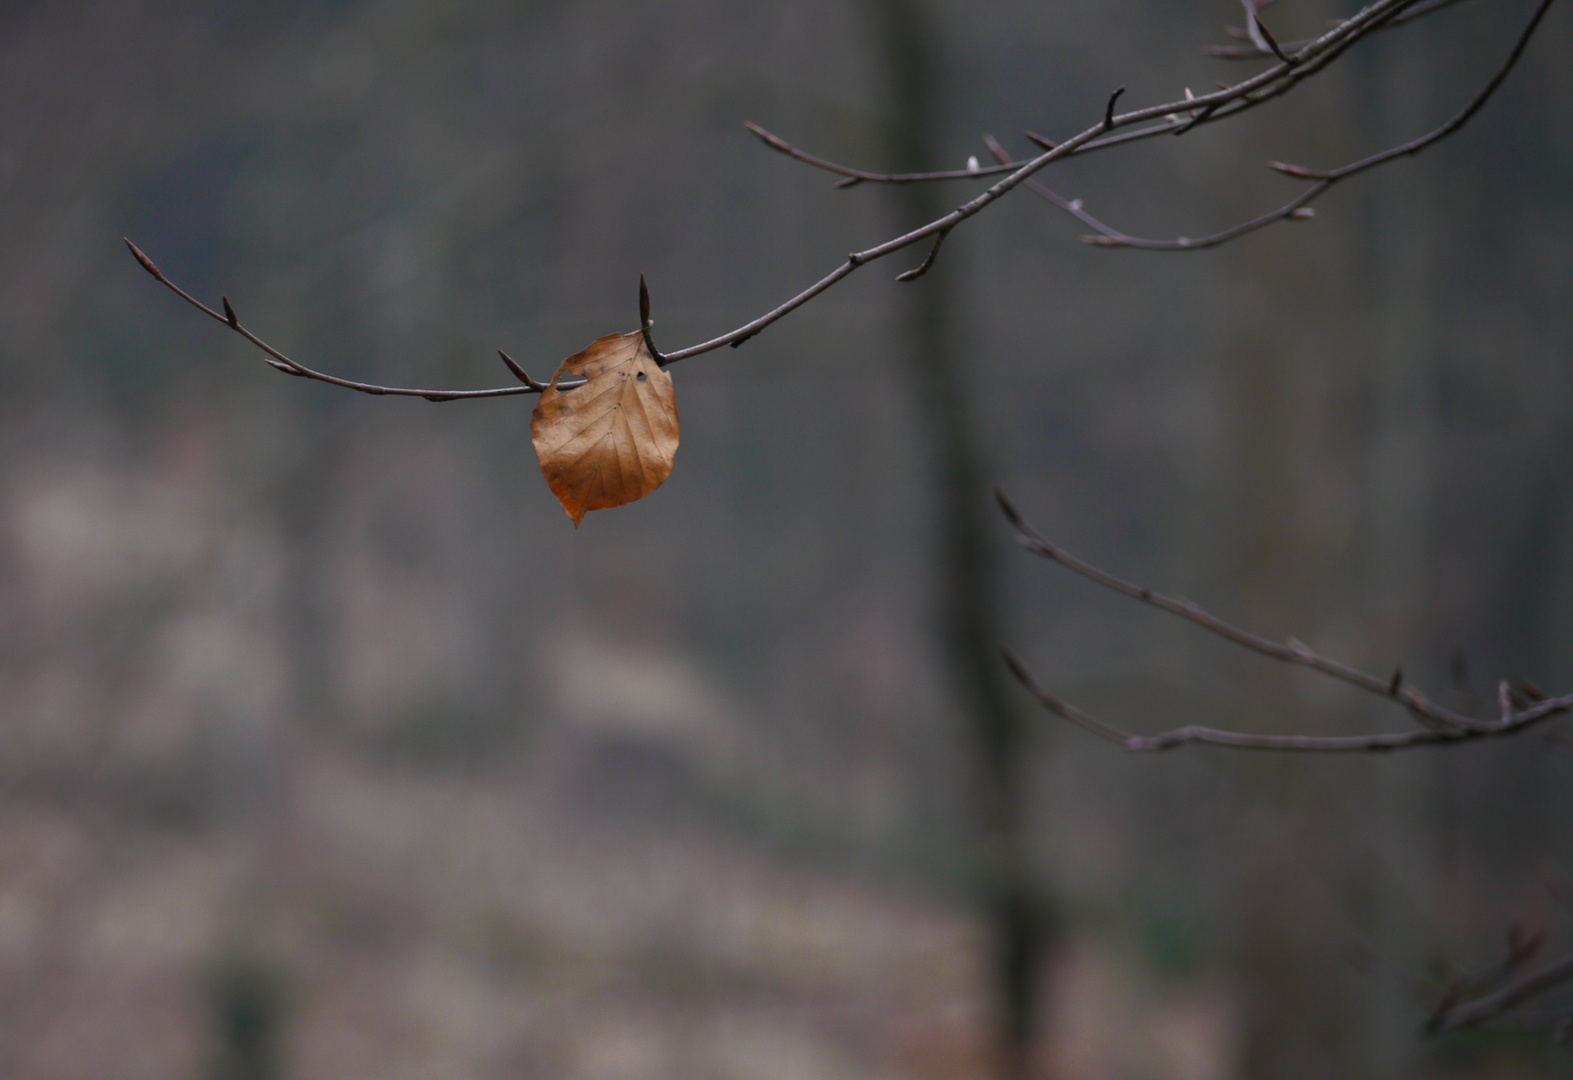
{"x":1509,"y":997}
{"x":1238,"y":740}
{"x":1258,"y":32}
{"x":1441,"y":725}
{"x":1299,"y":208}
{"x":278,"y":360}
{"x":1521,"y":949}
{"x":1073,"y":207}
{"x":928,"y":261}
{"x":1255,"y":52}
{"x":1289,"y":652}
{"x":1310,"y":58}
{"x":858,"y":176}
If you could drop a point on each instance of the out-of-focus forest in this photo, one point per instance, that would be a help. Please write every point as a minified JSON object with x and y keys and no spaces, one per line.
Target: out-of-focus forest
{"x":329,"y":748}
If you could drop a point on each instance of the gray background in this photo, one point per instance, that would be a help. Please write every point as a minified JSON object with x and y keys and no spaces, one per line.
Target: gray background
{"x":328,"y":748}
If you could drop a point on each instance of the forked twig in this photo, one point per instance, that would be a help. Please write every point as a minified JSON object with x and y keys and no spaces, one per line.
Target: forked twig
{"x":1299,"y":208}
{"x":1253,"y":51}
{"x":1441,"y":726}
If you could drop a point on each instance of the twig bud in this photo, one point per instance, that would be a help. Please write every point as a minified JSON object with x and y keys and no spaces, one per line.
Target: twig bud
{"x":1299,"y":172}
{"x":147,"y":263}
{"x":519,"y":372}
{"x":1009,"y":508}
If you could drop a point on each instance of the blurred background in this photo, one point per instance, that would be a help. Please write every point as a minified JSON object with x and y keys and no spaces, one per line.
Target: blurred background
{"x":328,"y":748}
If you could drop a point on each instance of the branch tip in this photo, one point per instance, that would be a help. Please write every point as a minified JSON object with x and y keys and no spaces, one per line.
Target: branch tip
{"x":1271,"y":42}
{"x":1299,"y":172}
{"x":1017,"y":668}
{"x":1009,"y":509}
{"x":147,"y":263}
{"x":765,"y":137}
{"x":645,"y":323}
{"x":1108,"y":111}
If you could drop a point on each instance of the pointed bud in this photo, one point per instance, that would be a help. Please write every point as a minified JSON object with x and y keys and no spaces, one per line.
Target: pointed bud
{"x":147,"y":263}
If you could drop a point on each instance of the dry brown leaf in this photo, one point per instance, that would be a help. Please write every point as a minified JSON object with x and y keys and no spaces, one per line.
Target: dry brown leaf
{"x":612,"y":440}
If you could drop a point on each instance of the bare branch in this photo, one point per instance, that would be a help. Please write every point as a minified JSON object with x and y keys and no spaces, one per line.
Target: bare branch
{"x":1521,"y":949}
{"x":1450,"y":1017}
{"x":858,"y":176}
{"x":1303,"y":743}
{"x":1289,"y":652}
{"x":1306,"y":59}
{"x":1255,"y":51}
{"x":1247,"y":94}
{"x":278,"y":360}
{"x":1199,"y":111}
{"x":1441,"y":725}
{"x":1256,"y":90}
{"x":1073,"y":207}
{"x":1299,"y":208}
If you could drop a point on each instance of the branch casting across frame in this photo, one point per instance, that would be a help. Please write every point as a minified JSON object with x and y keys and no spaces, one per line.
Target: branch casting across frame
{"x":1270,"y":83}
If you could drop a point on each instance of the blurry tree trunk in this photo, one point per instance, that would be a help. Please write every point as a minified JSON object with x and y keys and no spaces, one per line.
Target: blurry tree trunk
{"x":1398,"y":267}
{"x":968,"y":611}
{"x":1288,"y":370}
{"x":1294,"y":1025}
